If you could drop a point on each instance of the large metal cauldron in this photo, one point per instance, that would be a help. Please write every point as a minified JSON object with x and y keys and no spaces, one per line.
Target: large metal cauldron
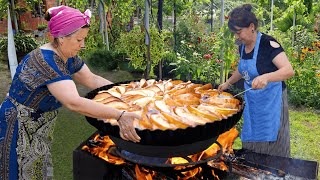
{"x":168,"y":143}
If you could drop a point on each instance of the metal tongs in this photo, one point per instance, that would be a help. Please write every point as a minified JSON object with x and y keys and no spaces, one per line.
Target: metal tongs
{"x":222,"y":96}
{"x":242,"y":92}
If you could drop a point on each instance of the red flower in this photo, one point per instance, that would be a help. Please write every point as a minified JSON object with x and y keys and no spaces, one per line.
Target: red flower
{"x":199,"y":40}
{"x":207,"y":56}
{"x":218,"y":61}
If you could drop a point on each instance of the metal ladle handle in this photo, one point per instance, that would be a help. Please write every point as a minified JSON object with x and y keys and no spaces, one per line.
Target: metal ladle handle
{"x":242,"y":92}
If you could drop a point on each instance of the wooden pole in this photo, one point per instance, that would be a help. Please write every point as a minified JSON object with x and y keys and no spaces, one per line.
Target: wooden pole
{"x":221,"y":51}
{"x":147,"y":38}
{"x":271,"y":26}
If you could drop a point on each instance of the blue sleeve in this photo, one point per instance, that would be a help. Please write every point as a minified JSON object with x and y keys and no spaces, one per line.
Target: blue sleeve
{"x":75,"y":64}
{"x":42,"y":68}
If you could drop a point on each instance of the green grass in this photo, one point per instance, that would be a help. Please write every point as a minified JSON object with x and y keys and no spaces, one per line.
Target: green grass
{"x":305,"y":135}
{"x":70,"y":130}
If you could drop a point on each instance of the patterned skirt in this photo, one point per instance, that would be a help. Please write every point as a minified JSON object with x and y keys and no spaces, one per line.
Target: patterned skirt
{"x":25,"y":142}
{"x":281,"y":147}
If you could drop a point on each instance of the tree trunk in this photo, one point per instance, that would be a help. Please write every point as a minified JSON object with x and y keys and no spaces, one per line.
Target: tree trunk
{"x":103,"y":24}
{"x":222,"y":76}
{"x":174,"y":25}
{"x":101,"y":15}
{"x":160,"y":6}
{"x":211,"y":14}
{"x":271,"y":26}
{"x":15,"y":20}
{"x":106,"y":31}
{"x":147,"y":41}
{"x":92,"y":5}
{"x":160,"y":14}
{"x":293,"y":26}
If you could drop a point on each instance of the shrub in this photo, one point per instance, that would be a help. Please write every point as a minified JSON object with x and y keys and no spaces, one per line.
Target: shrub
{"x":167,"y":66}
{"x":24,"y":44}
{"x":303,"y":87}
{"x":133,"y":44}
{"x":102,"y":59}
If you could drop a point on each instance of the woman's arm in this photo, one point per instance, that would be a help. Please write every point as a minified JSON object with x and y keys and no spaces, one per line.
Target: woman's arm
{"x":89,"y":79}
{"x":284,"y":72}
{"x":236,"y":76}
{"x":65,"y":92}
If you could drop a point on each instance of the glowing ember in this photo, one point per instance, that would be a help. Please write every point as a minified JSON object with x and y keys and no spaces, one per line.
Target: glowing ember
{"x":102,"y":150}
{"x":103,"y":145}
{"x":143,"y":174}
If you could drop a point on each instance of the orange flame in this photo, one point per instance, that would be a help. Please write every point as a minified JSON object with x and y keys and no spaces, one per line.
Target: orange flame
{"x":102,"y":150}
{"x":226,"y":140}
{"x":143,"y":174}
{"x":214,"y":175}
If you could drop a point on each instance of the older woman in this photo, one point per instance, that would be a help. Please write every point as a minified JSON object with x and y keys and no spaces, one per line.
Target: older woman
{"x":44,"y":82}
{"x":264,"y":66}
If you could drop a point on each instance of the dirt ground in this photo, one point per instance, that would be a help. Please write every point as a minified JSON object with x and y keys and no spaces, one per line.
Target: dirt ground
{"x":5,"y":79}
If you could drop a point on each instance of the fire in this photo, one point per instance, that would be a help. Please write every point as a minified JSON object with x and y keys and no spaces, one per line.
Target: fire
{"x":226,"y":140}
{"x":191,"y":173}
{"x":101,"y":150}
{"x":143,"y":174}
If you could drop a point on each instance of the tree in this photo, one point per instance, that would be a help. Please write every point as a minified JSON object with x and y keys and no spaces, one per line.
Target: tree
{"x":160,"y":16}
{"x":103,"y":23}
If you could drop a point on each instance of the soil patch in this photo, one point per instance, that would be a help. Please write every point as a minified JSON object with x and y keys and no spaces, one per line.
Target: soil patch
{"x":5,"y":79}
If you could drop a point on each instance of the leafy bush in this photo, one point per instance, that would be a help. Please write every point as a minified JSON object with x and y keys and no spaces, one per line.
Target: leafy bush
{"x":167,"y":66}
{"x":24,"y":44}
{"x":304,"y":86}
{"x":126,"y":66}
{"x":202,"y":54}
{"x":133,"y":44}
{"x":42,"y":27}
{"x":192,"y":43}
{"x":102,"y":59}
{"x":94,"y":40}
{"x":304,"y":55}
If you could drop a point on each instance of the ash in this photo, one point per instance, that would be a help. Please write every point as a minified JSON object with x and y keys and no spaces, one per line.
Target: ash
{"x":272,"y":177}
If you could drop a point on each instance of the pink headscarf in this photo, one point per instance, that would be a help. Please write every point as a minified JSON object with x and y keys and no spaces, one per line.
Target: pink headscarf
{"x":66,"y":20}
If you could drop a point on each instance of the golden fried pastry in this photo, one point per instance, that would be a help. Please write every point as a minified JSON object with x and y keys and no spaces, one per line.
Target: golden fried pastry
{"x":169,"y":104}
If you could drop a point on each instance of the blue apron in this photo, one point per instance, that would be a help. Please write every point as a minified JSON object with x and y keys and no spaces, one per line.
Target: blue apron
{"x":263,"y":106}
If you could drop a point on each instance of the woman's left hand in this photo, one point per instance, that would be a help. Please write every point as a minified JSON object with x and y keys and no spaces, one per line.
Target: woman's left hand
{"x":260,"y":82}
{"x":127,"y":130}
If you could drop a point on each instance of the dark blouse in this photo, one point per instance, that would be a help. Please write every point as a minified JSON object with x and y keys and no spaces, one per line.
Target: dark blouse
{"x":266,"y":54}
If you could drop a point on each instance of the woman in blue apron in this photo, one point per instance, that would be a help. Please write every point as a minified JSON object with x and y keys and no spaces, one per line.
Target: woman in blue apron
{"x":264,"y":67}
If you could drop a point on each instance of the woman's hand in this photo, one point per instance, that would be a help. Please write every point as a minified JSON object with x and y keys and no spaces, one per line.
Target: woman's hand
{"x":236,"y":76}
{"x":260,"y":82}
{"x":127,"y":131}
{"x":223,"y":86}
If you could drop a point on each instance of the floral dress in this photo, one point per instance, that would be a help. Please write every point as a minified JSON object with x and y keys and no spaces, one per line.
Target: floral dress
{"x":28,"y":114}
